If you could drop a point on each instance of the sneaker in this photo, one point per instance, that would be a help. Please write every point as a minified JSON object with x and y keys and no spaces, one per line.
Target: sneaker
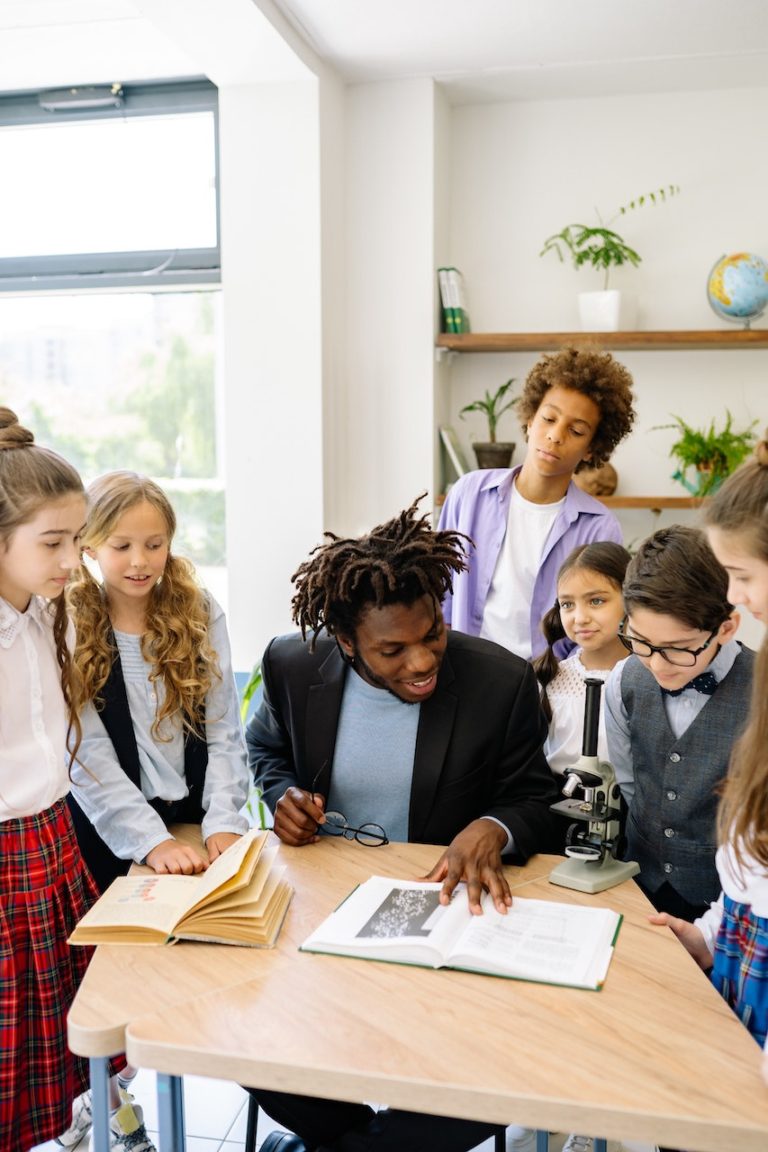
{"x":576,"y":1143}
{"x":82,"y":1121}
{"x":520,"y":1139}
{"x":126,"y":1128}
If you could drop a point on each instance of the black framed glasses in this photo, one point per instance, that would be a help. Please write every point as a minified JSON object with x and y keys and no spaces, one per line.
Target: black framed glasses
{"x":369,"y":835}
{"x":679,"y":657}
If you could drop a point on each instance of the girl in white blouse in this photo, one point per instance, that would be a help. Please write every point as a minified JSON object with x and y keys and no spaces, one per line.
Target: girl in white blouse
{"x":162,"y":741}
{"x":588,"y":610}
{"x":44,"y":888}
{"x":731,"y":938}
{"x":162,"y":737}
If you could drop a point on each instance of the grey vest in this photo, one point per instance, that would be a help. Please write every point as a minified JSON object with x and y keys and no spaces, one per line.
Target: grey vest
{"x":671,"y":823}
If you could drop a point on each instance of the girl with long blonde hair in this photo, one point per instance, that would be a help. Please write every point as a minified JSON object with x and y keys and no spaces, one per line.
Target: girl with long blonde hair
{"x":162,"y":740}
{"x":732,"y":937}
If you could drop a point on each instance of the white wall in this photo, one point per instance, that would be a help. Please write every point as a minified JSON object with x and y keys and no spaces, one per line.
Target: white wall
{"x":385,"y":437}
{"x":272,"y":350}
{"x":522,"y":171}
{"x":349,"y":197}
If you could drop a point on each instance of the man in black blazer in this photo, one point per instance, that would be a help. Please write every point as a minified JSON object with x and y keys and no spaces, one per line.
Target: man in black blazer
{"x":337,"y":729}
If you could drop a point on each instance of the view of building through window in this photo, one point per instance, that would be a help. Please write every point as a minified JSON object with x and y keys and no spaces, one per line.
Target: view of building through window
{"x":126,"y":380}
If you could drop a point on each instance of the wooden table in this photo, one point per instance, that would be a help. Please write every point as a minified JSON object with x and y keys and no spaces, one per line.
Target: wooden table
{"x":655,"y":1056}
{"x":124,"y":983}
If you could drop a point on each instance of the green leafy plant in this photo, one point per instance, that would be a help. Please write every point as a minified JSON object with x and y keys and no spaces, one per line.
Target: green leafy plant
{"x":600,"y":246}
{"x":493,"y":406}
{"x":252,"y":686}
{"x":713,"y":452}
{"x":254,"y":804}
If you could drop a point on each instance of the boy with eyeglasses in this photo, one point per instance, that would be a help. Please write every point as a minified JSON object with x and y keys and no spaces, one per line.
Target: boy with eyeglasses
{"x":673,"y":710}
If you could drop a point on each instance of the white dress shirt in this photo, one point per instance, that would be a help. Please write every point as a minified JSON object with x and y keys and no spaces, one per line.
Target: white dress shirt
{"x":747,"y":884}
{"x":33,"y":715}
{"x":681,"y":711}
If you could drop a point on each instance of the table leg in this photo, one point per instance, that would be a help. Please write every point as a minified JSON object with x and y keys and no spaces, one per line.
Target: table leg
{"x":170,"y":1112}
{"x":99,"y":1067}
{"x":542,"y":1140}
{"x":600,"y":1144}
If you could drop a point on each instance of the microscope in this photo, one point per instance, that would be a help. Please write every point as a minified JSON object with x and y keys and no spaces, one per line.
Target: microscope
{"x":594,"y":839}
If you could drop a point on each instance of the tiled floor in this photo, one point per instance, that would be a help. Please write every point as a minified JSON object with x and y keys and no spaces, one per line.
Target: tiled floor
{"x":216,"y":1114}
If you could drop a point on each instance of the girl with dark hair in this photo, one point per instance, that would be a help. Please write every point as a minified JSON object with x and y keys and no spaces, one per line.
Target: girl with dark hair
{"x":44,"y":887}
{"x":588,"y":611}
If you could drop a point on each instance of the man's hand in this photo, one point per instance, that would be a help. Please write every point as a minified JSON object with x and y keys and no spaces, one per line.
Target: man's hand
{"x":474,"y":856}
{"x":688,"y":935}
{"x":171,"y":856}
{"x":219,"y":842}
{"x":297,"y":815}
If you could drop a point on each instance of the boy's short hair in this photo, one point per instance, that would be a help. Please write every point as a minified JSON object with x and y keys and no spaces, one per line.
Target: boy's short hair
{"x":676,"y":573}
{"x":594,"y":374}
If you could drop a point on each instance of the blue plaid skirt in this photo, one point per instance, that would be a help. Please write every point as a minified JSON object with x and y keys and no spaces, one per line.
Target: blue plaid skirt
{"x":740,"y":971}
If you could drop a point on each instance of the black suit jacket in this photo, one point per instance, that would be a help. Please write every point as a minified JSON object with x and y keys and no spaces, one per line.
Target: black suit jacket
{"x":478,"y":744}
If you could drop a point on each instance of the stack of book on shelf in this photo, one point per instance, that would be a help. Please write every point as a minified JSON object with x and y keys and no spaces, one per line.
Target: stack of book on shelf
{"x":242,"y":898}
{"x":403,"y":922}
{"x":453,"y":301}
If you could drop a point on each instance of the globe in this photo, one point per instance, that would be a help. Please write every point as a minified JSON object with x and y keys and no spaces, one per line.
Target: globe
{"x":737,"y":288}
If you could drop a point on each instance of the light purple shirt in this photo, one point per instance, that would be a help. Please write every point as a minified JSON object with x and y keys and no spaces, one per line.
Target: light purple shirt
{"x":478,"y":505}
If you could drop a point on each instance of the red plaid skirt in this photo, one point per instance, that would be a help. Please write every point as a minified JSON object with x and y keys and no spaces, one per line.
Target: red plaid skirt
{"x":44,"y":890}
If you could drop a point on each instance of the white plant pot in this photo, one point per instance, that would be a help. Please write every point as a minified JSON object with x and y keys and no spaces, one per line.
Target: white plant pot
{"x":609,"y":311}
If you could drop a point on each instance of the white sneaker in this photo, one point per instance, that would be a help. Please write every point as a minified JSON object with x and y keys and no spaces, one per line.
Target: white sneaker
{"x":82,"y":1121}
{"x":576,"y":1143}
{"x":126,"y":1128}
{"x":520,"y":1139}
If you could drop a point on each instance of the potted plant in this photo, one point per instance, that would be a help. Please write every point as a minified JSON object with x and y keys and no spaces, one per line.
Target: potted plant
{"x":493,"y":453}
{"x":713,"y":452}
{"x":602,"y":249}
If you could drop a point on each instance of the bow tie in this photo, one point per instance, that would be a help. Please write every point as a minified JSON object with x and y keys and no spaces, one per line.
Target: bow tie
{"x":705,"y":682}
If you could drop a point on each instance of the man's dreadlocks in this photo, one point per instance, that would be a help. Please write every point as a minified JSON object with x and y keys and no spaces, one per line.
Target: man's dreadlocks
{"x":395,"y":563}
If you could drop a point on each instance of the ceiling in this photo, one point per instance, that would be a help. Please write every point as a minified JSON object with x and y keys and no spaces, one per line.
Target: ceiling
{"x":479,"y":49}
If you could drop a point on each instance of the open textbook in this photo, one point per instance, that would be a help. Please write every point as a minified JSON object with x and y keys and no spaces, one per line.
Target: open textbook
{"x":404,"y":922}
{"x":241,"y":899}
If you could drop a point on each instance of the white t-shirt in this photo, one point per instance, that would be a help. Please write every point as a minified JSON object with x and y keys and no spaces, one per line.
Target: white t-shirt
{"x":507,"y":613}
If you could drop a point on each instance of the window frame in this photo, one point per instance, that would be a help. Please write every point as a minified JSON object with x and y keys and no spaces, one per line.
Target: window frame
{"x":150,"y":270}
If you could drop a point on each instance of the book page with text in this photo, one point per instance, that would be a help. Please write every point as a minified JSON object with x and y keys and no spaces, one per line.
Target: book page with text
{"x":540,"y":940}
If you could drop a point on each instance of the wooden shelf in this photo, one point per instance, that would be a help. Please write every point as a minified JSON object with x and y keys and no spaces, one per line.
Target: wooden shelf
{"x":654,"y":502}
{"x":612,"y":341}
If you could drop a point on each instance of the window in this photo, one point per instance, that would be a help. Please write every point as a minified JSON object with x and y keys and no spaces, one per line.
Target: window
{"x":118,"y":199}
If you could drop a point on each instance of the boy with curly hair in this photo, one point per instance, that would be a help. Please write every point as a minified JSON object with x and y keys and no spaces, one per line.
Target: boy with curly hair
{"x":576,"y":406}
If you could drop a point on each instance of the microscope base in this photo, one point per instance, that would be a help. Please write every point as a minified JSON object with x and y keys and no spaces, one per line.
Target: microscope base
{"x":585,"y":876}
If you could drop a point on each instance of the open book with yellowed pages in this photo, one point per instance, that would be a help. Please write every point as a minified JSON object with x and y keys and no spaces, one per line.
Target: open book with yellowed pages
{"x":242,"y":898}
{"x":404,"y":922}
